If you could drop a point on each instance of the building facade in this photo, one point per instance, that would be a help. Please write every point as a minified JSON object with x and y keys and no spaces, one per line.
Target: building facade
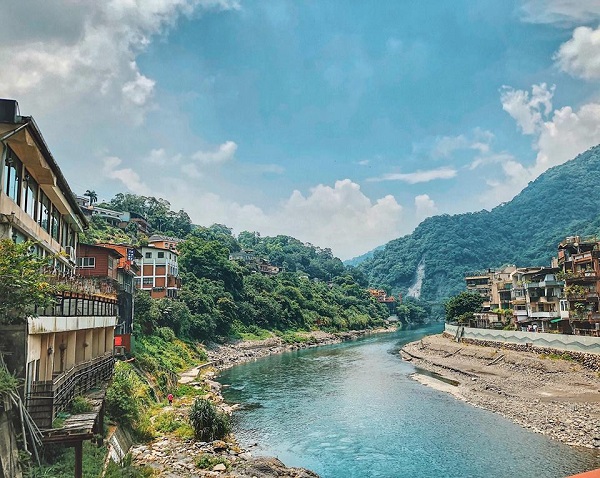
{"x":159,"y":272}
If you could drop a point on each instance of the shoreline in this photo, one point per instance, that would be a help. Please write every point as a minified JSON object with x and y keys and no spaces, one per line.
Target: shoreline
{"x":554,"y":397}
{"x":170,"y":456}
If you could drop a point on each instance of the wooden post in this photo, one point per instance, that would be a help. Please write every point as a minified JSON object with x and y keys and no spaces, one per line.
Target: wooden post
{"x":79,"y":459}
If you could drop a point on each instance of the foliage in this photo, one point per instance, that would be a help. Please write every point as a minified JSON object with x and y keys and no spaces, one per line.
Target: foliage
{"x":168,"y":422}
{"x":63,"y":463}
{"x":126,"y":470}
{"x":80,"y":405}
{"x":23,"y":283}
{"x":101,"y":231}
{"x":8,"y":382}
{"x":463,"y":305}
{"x":450,"y":246}
{"x":208,"y":423}
{"x":208,"y":462}
{"x":126,"y":397}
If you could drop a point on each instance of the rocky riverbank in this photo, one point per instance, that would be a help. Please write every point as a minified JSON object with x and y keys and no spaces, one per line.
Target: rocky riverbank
{"x":173,"y":457}
{"x":228,"y":355}
{"x":548,"y":394}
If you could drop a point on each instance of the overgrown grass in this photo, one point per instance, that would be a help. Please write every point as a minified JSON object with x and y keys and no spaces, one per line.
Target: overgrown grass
{"x":81,"y":405}
{"x":563,"y":356}
{"x":126,"y":470}
{"x":207,"y":462}
{"x":8,"y":382}
{"x":185,"y":390}
{"x":63,"y":463}
{"x":208,"y":423}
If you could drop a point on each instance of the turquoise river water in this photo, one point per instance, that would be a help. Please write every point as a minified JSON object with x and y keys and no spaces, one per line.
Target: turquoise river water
{"x":351,"y":410}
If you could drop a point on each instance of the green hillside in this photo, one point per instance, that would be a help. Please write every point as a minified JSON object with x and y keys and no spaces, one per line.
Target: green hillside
{"x":563,"y":201}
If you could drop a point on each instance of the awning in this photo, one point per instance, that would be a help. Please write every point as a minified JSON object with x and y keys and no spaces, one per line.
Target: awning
{"x":28,"y":152}
{"x":553,"y":321}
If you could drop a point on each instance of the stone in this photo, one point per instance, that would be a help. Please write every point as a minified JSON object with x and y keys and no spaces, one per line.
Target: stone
{"x":219,"y":467}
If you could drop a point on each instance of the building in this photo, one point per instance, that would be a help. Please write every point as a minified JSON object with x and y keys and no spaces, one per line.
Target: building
{"x":249,"y":258}
{"x":159,"y":272}
{"x":115,"y":264}
{"x":166,"y":242}
{"x":66,"y":349}
{"x":114,"y":218}
{"x":578,"y":260}
{"x":481,"y":283}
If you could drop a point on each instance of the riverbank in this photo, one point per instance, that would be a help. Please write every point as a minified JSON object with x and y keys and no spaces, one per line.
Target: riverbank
{"x":170,"y":456}
{"x":235,"y":353}
{"x":550,"y":395}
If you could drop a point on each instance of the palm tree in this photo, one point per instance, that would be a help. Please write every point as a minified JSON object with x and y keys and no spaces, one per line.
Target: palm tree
{"x":92,"y":195}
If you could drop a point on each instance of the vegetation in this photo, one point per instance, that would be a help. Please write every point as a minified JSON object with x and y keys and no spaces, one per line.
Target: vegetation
{"x":207,"y":462}
{"x":462,"y":306}
{"x":23,"y":283}
{"x":208,"y":423}
{"x":62,"y":461}
{"x":81,"y":405}
{"x":524,"y":231}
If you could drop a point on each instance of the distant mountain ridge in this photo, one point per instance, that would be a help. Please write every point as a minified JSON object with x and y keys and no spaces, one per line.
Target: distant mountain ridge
{"x":563,"y":201}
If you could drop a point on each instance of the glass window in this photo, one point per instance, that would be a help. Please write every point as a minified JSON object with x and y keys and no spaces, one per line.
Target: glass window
{"x":55,"y":225}
{"x":148,"y":255}
{"x":161,"y":255}
{"x":44,"y":218}
{"x":110,"y":263}
{"x":147,"y":280}
{"x":12,"y":177}
{"x":31,"y":196}
{"x":86,"y":262}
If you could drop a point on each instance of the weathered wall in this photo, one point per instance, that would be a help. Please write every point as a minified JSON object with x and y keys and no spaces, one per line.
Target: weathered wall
{"x":582,"y":349}
{"x":13,"y":344}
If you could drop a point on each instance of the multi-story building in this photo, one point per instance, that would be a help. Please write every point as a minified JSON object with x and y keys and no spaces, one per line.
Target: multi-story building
{"x":481,"y":283}
{"x":579,"y":261}
{"x":159,"y":272}
{"x":65,"y":349}
{"x":166,"y":242}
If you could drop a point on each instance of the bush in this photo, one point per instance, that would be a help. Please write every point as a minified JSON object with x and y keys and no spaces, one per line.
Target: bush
{"x":207,"y":462}
{"x":208,"y":423}
{"x":80,"y":405}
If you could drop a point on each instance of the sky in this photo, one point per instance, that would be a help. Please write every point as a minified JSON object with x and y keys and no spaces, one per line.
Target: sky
{"x":341,"y":123}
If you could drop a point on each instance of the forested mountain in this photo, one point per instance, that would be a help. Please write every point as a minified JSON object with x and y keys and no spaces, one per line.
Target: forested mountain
{"x":563,"y":201}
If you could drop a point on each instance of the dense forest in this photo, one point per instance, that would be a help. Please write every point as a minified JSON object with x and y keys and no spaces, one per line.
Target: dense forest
{"x":221,"y":298}
{"x":563,"y":201}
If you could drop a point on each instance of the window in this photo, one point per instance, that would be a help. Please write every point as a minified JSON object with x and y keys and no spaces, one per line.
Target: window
{"x":86,"y":262}
{"x":44,"y":219}
{"x":12,"y":177}
{"x":161,"y":255}
{"x":148,"y":281}
{"x":111,"y":263}
{"x":55,"y":224}
{"x":148,"y":255}
{"x":31,"y":196}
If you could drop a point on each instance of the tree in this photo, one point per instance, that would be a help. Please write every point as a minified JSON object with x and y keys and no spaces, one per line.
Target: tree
{"x":463,"y":303}
{"x":23,"y":284}
{"x":92,"y":196}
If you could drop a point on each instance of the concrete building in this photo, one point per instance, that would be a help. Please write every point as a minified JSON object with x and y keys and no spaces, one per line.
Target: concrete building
{"x":66,"y":349}
{"x":159,"y":272}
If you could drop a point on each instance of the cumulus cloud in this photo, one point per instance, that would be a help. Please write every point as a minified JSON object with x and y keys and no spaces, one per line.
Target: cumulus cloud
{"x":87,"y":53}
{"x":341,"y":216}
{"x":161,"y":158}
{"x":424,"y":206}
{"x":130,"y":179}
{"x":418,"y":176}
{"x":479,"y":141}
{"x":222,"y":154}
{"x":580,"y":56}
{"x":526,"y":109}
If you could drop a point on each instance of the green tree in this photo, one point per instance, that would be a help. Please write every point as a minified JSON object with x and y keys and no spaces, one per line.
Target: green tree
{"x":23,"y":284}
{"x":93,"y":197}
{"x":463,"y":303}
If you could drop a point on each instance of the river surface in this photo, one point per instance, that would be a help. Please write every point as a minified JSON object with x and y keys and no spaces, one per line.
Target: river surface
{"x":351,"y":410}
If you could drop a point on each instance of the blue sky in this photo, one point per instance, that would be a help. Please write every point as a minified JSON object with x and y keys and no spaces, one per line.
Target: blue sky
{"x":341,"y":123}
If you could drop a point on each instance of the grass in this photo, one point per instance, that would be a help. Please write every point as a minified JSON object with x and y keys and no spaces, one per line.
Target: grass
{"x":64,"y":459}
{"x":208,"y":462}
{"x":563,"y":356}
{"x":81,"y":405}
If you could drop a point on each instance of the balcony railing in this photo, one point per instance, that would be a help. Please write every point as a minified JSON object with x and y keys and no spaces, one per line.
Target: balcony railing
{"x":73,"y":304}
{"x":46,"y":398}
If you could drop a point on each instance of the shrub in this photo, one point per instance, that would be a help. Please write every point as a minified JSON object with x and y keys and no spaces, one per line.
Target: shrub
{"x":208,"y":423}
{"x":81,"y":405}
{"x":207,"y":462}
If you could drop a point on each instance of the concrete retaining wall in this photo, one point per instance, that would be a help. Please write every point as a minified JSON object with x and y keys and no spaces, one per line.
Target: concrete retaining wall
{"x":584,"y":350}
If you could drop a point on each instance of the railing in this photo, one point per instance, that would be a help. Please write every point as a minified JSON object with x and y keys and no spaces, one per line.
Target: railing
{"x":47,"y":398}
{"x":72,"y":304}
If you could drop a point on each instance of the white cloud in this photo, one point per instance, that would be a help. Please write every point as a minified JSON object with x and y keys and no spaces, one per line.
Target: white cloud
{"x":565,"y":12}
{"x":130,"y":179}
{"x":417,"y":176}
{"x":424,"y":206}
{"x":87,"y":56}
{"x":479,"y":141}
{"x":580,"y":56}
{"x":222,"y":154}
{"x":341,"y":217}
{"x":527,"y":110}
{"x":160,"y":157}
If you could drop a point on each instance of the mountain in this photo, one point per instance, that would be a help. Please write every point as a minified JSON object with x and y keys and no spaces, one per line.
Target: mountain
{"x":433,"y":260}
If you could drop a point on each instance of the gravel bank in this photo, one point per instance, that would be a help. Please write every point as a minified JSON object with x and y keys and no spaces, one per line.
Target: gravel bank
{"x":555,"y":397}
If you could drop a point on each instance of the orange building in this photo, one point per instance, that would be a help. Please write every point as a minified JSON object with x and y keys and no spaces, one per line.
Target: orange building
{"x":159,"y":272}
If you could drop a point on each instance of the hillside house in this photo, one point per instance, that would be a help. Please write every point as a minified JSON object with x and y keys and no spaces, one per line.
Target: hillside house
{"x":159,"y":272}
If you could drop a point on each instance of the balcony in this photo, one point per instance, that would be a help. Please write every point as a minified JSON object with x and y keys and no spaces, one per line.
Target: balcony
{"x":46,"y":398}
{"x":545,"y":315}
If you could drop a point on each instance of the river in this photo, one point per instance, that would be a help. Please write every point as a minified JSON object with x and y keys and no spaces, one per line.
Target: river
{"x":351,"y":410}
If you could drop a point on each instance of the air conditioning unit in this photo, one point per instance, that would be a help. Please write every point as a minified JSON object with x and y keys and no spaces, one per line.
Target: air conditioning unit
{"x":70,"y":250}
